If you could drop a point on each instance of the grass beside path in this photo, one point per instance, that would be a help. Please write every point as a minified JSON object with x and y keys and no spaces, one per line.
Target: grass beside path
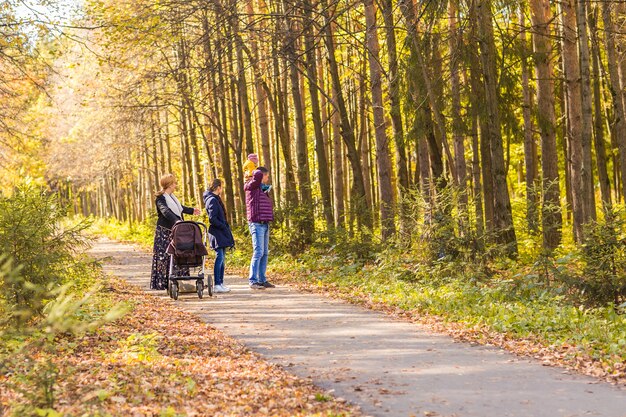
{"x":161,"y":361}
{"x":588,"y":341}
{"x":510,"y":311}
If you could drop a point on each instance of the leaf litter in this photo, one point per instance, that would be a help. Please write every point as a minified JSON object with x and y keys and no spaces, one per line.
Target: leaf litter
{"x":162,"y":361}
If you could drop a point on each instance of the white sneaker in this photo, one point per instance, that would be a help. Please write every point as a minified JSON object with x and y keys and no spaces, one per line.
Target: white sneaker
{"x":221,"y":289}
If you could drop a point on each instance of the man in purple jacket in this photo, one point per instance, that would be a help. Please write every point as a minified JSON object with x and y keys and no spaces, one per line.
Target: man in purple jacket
{"x":260,"y":215}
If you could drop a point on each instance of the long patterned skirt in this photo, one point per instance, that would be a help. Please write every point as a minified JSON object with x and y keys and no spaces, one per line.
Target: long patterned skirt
{"x":160,"y":259}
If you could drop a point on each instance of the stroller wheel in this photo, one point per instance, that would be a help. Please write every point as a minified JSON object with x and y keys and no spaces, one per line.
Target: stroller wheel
{"x":200,"y":288}
{"x":174,"y":290}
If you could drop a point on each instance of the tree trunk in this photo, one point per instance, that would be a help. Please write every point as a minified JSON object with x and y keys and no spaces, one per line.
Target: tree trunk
{"x":359,"y":203}
{"x":618,"y":122}
{"x":383,"y":159}
{"x":338,"y":172}
{"x":395,"y":114}
{"x":503,"y":218}
{"x":224,"y":148}
{"x":478,"y":205}
{"x":478,"y":111}
{"x":573,"y":95}
{"x":530,"y":147}
{"x":408,"y":10}
{"x":362,"y":130}
{"x":587,"y":120}
{"x":236,"y":128}
{"x":598,"y":137}
{"x":565,"y":147}
{"x":260,"y":94}
{"x":302,"y":156}
{"x":168,"y":147}
{"x":551,"y":208}
{"x":185,"y":154}
{"x":316,"y":112}
{"x":458,"y":127}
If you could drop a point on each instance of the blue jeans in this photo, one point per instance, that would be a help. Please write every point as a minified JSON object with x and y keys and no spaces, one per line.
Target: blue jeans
{"x":260,"y":233}
{"x":218,"y":269}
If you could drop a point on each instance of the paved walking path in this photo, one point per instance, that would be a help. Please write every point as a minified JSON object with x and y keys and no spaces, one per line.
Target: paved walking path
{"x":388,"y":367}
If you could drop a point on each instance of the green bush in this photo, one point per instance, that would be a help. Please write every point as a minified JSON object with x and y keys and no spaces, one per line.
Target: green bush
{"x":45,"y":301}
{"x":32,"y":235}
{"x":604,"y":256}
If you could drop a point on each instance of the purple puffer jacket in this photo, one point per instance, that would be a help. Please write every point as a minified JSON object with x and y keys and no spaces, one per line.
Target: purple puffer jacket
{"x":258,"y":203}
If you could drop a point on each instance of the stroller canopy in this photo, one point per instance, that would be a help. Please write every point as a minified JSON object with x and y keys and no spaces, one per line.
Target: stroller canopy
{"x":186,"y":244}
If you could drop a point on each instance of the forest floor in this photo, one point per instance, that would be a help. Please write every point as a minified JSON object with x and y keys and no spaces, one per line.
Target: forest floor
{"x":158,"y":360}
{"x":388,"y":367}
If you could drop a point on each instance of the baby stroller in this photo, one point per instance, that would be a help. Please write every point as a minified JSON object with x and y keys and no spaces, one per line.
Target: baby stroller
{"x":188,"y":253}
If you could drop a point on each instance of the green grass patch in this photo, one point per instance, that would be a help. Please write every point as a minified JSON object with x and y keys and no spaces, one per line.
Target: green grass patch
{"x":505,"y":304}
{"x":141,"y":233}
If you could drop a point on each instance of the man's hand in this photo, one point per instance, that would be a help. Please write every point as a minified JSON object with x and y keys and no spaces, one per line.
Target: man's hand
{"x":196,"y":211}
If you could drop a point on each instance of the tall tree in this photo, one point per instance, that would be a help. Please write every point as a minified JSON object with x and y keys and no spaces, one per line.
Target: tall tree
{"x":458,"y":127}
{"x":302,"y":157}
{"x":316,"y":111}
{"x":260,"y":93}
{"x":598,"y":132}
{"x":503,"y":217}
{"x":575,"y":134}
{"x":587,"y":110}
{"x":395,"y":113}
{"x":618,"y":122}
{"x":546,"y":118}
{"x":439,"y":132}
{"x":359,"y":203}
{"x":530,"y":147}
{"x":383,"y":159}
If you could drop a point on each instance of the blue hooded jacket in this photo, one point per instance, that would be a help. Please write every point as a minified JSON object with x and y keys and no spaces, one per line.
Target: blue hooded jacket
{"x":220,"y":235}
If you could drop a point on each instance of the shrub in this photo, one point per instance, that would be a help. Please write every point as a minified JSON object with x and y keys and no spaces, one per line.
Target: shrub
{"x":32,"y":236}
{"x":604,"y":256}
{"x":43,"y":303}
{"x":444,"y":234}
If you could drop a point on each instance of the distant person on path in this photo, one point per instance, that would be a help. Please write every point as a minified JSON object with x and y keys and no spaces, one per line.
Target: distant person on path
{"x":169,"y":211}
{"x":220,"y":234}
{"x":260,"y":215}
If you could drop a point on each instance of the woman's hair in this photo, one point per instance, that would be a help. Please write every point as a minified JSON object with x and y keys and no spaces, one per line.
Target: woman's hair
{"x":166,"y":182}
{"x":263,"y":170}
{"x":215,"y":184}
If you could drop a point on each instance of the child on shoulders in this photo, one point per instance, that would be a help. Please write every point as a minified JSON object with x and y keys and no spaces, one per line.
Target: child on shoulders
{"x":248,"y":169}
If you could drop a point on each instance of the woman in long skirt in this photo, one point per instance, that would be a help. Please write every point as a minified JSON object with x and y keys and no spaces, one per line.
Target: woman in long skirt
{"x":169,"y":211}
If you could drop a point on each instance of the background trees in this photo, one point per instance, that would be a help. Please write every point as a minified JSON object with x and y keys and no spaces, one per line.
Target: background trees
{"x":354,"y":106}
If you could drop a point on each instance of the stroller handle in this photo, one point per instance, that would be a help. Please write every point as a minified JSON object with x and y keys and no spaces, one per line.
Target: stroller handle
{"x":206,"y":232}
{"x":202,"y":226}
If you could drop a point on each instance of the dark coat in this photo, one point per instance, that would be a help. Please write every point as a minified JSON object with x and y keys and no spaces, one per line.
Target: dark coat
{"x":258,"y":204}
{"x":220,"y":234}
{"x":167,"y":218}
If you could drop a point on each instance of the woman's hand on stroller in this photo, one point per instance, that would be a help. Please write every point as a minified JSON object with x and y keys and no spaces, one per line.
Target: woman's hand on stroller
{"x":196,"y":212}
